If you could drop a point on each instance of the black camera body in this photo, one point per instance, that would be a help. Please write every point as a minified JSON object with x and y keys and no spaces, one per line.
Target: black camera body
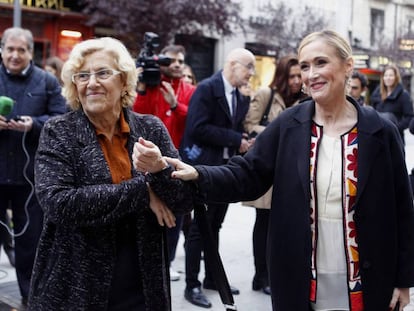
{"x":150,"y":62}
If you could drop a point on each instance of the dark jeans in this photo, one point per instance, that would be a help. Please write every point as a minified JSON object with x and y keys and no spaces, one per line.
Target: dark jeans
{"x":25,"y":245}
{"x":194,"y":245}
{"x":259,"y":245}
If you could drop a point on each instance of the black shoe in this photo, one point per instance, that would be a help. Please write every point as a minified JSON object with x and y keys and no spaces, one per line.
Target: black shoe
{"x":197,"y":297}
{"x":11,"y":256}
{"x":259,"y":285}
{"x":233,"y":290}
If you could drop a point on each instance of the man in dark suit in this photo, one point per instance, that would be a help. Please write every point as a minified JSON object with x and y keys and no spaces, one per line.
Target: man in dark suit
{"x":214,"y":132}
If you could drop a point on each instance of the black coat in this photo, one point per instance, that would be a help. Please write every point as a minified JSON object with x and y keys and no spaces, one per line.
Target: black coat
{"x":384,"y":208}
{"x":76,"y":254}
{"x":209,"y":127}
{"x":397,"y":107}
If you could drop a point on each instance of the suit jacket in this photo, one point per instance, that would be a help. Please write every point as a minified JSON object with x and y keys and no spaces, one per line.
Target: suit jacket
{"x":77,"y":249}
{"x":209,"y":126}
{"x":384,"y":215}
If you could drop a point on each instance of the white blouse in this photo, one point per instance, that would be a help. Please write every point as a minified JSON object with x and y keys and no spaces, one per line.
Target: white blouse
{"x":332,"y":285}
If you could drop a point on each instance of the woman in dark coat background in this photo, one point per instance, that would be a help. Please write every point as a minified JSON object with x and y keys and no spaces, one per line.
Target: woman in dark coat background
{"x":102,"y":243}
{"x":341,"y":231}
{"x":391,"y":100}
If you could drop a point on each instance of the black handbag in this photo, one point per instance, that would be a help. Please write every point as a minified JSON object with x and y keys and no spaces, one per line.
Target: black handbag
{"x":265,"y":118}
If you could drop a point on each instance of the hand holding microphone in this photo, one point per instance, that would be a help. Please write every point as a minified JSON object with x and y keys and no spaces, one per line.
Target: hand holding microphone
{"x":6,"y":106}
{"x":18,"y":123}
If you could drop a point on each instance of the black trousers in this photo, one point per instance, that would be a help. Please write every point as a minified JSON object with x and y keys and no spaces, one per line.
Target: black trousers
{"x":16,"y":197}
{"x":260,"y":230}
{"x":194,"y":245}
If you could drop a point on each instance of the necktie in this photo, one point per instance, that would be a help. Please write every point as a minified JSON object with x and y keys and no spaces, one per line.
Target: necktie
{"x":234,"y":103}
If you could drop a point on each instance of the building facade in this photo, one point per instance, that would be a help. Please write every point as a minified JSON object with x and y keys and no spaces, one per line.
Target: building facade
{"x":56,"y":25}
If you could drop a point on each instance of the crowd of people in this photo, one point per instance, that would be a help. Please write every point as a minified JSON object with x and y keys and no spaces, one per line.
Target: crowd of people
{"x":101,"y":172}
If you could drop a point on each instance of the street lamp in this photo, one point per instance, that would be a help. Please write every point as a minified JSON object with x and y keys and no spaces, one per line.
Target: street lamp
{"x":17,"y":14}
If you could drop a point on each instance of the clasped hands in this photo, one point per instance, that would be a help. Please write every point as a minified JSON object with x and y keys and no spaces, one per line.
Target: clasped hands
{"x":147,"y":158}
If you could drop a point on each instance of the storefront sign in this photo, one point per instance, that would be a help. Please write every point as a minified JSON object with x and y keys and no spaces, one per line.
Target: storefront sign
{"x":361,"y":61}
{"x":41,"y":4}
{"x":406,"y":44}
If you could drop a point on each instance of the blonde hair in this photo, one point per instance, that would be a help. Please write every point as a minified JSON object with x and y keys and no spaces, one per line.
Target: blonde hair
{"x":332,"y":38}
{"x":383,"y":88}
{"x":123,"y":61}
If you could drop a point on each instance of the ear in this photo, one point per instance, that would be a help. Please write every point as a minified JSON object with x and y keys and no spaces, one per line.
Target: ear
{"x":349,"y":66}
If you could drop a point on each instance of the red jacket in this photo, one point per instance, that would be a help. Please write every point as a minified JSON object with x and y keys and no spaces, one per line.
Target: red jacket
{"x":153,"y":102}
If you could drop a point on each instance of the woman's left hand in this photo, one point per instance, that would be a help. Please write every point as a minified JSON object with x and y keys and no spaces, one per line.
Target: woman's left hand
{"x":401,"y":295}
{"x":147,"y":157}
{"x":161,"y":211}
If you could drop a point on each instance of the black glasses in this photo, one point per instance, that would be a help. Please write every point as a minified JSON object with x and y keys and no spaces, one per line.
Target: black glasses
{"x":100,"y":75}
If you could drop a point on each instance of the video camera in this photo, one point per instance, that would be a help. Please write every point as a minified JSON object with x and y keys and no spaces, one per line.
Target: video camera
{"x":151,"y":62}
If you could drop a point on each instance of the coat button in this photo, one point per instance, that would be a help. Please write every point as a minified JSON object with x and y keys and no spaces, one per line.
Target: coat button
{"x":366,"y":265}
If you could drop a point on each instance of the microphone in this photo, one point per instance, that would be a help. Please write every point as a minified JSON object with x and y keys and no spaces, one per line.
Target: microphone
{"x":6,"y":105}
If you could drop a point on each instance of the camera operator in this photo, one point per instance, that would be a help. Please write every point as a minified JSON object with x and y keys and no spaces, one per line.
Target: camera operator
{"x":169,"y":101}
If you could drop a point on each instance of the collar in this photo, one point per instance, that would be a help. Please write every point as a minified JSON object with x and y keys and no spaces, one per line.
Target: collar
{"x":23,"y":73}
{"x":123,"y":126}
{"x":228,"y":88}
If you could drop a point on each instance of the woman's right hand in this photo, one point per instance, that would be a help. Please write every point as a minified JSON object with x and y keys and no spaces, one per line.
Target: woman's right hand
{"x":182,"y":170}
{"x":147,"y":157}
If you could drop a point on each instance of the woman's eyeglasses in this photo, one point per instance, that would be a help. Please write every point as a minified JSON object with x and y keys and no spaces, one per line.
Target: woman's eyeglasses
{"x":100,"y":75}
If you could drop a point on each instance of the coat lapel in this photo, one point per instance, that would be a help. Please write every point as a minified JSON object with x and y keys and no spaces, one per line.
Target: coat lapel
{"x":220,"y":95}
{"x":368,"y":145}
{"x":301,"y":134}
{"x":91,"y":151}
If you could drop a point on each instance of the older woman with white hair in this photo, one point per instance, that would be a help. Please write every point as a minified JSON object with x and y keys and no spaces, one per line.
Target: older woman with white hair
{"x":102,"y":243}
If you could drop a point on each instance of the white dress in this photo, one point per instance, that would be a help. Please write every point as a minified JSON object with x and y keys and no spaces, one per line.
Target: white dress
{"x":332,"y":285}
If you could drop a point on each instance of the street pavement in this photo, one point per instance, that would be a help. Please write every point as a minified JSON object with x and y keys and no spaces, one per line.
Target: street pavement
{"x":236,"y":253}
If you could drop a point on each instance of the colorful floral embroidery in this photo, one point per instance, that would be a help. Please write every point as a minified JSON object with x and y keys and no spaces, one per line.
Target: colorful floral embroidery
{"x":350,"y":174}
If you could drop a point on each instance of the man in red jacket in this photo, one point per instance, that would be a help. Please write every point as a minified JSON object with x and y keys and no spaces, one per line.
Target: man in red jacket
{"x":169,"y":101}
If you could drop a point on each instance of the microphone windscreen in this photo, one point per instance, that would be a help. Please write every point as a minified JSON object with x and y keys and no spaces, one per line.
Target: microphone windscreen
{"x":6,"y":105}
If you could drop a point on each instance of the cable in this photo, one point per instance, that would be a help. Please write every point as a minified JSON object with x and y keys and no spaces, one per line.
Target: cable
{"x":26,"y":225}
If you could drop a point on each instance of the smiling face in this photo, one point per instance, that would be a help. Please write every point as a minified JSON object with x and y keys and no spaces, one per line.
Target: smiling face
{"x":100,"y":98}
{"x":15,"y":54}
{"x":324,"y":73}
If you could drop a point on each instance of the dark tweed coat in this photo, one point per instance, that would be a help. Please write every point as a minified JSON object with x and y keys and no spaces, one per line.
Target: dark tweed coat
{"x":76,"y":254}
{"x":384,"y":214}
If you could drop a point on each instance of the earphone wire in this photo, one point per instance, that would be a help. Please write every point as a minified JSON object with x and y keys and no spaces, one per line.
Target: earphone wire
{"x":11,"y":232}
